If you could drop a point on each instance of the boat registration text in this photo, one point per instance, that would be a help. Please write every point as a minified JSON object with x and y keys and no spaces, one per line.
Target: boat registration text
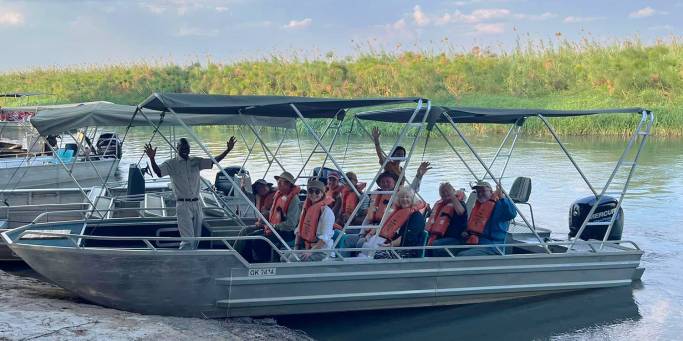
{"x":262,"y":272}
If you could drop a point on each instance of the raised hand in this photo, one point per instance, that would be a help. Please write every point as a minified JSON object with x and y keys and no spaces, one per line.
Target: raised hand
{"x":231,"y":143}
{"x":151,"y":152}
{"x":422,"y":170}
{"x":499,"y":193}
{"x":375,"y":134}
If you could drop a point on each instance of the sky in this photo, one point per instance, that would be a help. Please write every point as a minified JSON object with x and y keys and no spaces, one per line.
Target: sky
{"x":66,"y":33}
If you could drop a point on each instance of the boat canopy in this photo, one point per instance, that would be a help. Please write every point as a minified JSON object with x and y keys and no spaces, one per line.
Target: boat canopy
{"x":269,"y":106}
{"x":480,"y":115}
{"x":56,"y":120}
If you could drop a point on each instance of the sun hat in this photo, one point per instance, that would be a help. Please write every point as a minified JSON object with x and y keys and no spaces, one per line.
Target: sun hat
{"x":261,"y":182}
{"x":317,"y":184}
{"x":286,"y":176}
{"x":333,"y":175}
{"x":481,"y":183}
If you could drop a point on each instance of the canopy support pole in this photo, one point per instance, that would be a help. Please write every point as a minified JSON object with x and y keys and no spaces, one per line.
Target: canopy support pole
{"x":241,"y":193}
{"x":277,"y":150}
{"x":320,"y":143}
{"x":366,"y":194}
{"x":225,"y":208}
{"x":566,"y":152}
{"x":450,"y":144}
{"x":488,"y":171}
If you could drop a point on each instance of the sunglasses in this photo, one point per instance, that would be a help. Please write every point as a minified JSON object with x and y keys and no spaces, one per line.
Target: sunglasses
{"x":314,"y":191}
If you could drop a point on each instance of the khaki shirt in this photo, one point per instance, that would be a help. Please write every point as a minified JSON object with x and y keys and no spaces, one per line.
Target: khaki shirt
{"x":185,"y":175}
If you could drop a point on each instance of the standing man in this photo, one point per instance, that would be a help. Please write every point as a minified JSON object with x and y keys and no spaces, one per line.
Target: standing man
{"x":184,"y":173}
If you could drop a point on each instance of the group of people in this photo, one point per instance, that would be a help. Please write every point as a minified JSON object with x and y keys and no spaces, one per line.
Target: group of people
{"x":310,"y":225}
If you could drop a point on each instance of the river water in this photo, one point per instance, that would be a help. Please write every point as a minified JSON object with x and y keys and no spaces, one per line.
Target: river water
{"x":650,"y":309}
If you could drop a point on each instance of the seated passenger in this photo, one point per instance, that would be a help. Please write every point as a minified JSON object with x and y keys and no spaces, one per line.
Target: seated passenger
{"x":264,"y":196}
{"x":333,"y":191}
{"x":349,"y":202}
{"x":448,"y":220}
{"x":394,"y":166}
{"x":489,"y":220}
{"x":315,"y":229}
{"x":404,"y":226}
{"x":378,"y":204}
{"x":284,"y":217}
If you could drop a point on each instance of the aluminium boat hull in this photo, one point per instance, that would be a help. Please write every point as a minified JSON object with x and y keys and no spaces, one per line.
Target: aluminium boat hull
{"x":54,"y":173}
{"x":219,"y":283}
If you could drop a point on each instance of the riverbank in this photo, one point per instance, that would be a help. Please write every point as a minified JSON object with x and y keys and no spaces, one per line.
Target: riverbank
{"x":558,"y":74}
{"x":35,"y":310}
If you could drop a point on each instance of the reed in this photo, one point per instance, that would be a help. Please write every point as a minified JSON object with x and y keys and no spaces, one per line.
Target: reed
{"x":560,"y":74}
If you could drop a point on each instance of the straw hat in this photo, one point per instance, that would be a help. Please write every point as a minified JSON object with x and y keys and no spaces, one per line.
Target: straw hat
{"x":286,"y":176}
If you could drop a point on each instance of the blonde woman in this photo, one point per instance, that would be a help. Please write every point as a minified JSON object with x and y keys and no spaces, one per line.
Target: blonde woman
{"x":404,"y":226}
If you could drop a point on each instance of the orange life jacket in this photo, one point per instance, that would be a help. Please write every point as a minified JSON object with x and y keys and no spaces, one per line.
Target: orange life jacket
{"x":378,"y":205}
{"x":280,"y":207}
{"x":438,"y":222}
{"x":349,"y":202}
{"x":349,"y":198}
{"x":266,"y":202}
{"x":310,"y":215}
{"x":477,"y":220}
{"x":332,"y":193}
{"x":396,"y":219}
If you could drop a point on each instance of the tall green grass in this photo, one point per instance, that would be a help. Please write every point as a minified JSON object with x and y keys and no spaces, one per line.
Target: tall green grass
{"x":559,"y":74}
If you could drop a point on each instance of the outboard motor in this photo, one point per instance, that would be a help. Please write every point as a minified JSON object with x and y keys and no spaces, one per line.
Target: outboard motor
{"x":223,"y":184}
{"x":109,"y":145}
{"x":322,"y":174}
{"x":603,"y":213}
{"x":136,"y":180}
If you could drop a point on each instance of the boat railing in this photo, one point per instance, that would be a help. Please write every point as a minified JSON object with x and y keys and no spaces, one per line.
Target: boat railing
{"x":592,"y":246}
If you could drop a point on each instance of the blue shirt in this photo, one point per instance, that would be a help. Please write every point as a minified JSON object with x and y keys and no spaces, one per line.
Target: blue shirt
{"x":496,"y":228}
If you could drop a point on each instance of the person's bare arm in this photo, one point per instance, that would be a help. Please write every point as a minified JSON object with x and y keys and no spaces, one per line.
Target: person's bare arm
{"x":151,"y":153}
{"x":230,"y":145}
{"x":378,"y":147}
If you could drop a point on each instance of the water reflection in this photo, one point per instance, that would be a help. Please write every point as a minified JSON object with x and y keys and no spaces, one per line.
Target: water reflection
{"x":525,"y":319}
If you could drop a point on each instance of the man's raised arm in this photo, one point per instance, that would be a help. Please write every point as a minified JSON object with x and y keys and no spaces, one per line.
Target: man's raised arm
{"x":151,"y":153}
{"x":230,"y":145}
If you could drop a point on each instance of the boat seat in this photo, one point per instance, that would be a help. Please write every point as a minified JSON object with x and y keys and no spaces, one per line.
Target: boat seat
{"x":173,"y":231}
{"x":66,"y":155}
{"x":153,"y":205}
{"x":102,"y":203}
{"x":469,"y":204}
{"x":520,"y":192}
{"x":425,"y":238}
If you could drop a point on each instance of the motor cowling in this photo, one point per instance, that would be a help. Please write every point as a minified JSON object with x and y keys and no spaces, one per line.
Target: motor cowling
{"x":607,"y":207}
{"x":223,"y":184}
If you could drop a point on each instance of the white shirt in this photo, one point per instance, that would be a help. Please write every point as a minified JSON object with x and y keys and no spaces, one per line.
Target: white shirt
{"x":185,"y":175}
{"x":325,"y":230}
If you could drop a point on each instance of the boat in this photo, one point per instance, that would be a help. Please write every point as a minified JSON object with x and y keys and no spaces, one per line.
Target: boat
{"x":38,"y":160}
{"x":124,"y":264}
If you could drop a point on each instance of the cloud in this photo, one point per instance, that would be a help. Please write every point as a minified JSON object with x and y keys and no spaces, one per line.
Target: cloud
{"x":421,"y":19}
{"x":296,"y":24}
{"x":496,"y":28}
{"x":11,"y":18}
{"x":474,"y":17}
{"x":399,"y":25}
{"x":536,"y":17}
{"x":186,"y":31}
{"x":646,"y":12}
{"x":574,"y":20}
{"x":182,"y":7}
{"x":661,"y":28}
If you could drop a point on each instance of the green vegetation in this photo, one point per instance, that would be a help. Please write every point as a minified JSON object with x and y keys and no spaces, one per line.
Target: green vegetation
{"x":565,"y":75}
